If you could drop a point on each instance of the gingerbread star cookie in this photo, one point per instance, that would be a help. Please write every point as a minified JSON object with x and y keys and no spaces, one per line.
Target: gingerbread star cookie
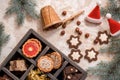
{"x":91,"y":55}
{"x":103,"y":37}
{"x":74,"y":41}
{"x":75,"y":55}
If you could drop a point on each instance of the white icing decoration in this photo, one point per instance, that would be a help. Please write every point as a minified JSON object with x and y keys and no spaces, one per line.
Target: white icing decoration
{"x":68,"y":77}
{"x":76,"y":70}
{"x":75,"y":55}
{"x":71,"y":69}
{"x":45,"y":63}
{"x":91,"y":54}
{"x":103,"y":37}
{"x":74,"y":41}
{"x":30,"y":49}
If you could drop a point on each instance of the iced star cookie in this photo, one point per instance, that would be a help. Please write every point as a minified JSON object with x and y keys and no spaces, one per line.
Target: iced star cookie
{"x":74,"y":41}
{"x":75,"y":55}
{"x":91,"y":55}
{"x":45,"y":63}
{"x":103,"y":37}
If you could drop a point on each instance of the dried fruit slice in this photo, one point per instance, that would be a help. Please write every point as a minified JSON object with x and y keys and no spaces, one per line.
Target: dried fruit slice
{"x":35,"y":40}
{"x":57,"y":58}
{"x":31,"y":48}
{"x":45,"y":63}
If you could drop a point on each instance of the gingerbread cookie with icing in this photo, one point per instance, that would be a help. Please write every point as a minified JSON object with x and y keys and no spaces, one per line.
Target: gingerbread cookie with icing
{"x":74,"y":41}
{"x":75,"y":55}
{"x":91,"y":55}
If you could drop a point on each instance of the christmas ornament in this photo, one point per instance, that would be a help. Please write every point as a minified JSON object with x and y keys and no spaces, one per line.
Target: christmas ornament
{"x":94,"y":16}
{"x":50,"y":18}
{"x":114,"y":25}
{"x":22,"y":8}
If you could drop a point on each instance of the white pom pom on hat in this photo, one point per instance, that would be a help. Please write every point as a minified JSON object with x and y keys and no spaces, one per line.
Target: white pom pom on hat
{"x":108,"y":16}
{"x":99,"y":3}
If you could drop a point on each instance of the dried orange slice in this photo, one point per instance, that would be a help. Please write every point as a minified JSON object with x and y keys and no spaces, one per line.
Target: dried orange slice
{"x":31,"y":48}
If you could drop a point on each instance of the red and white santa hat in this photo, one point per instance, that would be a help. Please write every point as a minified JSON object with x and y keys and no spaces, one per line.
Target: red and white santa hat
{"x":95,"y":16}
{"x":114,"y":25}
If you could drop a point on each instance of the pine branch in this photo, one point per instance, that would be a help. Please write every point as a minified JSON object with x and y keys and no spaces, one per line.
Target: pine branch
{"x":22,"y":8}
{"x":109,"y":70}
{"x":3,"y":37}
{"x":113,"y":7}
{"x":114,"y":46}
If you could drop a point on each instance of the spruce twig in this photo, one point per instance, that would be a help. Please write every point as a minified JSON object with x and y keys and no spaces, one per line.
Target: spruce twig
{"x":113,"y":7}
{"x":22,"y":8}
{"x":3,"y":37}
{"x":109,"y":70}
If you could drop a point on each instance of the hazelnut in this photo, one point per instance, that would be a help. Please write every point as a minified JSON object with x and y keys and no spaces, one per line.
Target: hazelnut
{"x":64,"y":13}
{"x":78,"y":23}
{"x":87,"y":35}
{"x":95,"y":41}
{"x":62,"y":33}
{"x":80,"y":32}
{"x":77,"y":29}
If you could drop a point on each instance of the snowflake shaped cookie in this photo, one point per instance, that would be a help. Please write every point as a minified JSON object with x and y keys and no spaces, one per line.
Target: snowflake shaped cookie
{"x":75,"y":55}
{"x":91,"y":55}
{"x":103,"y":37}
{"x":73,"y":41}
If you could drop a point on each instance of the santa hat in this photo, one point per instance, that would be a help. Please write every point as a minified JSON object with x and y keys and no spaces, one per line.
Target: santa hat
{"x":94,"y":16}
{"x":114,"y":25}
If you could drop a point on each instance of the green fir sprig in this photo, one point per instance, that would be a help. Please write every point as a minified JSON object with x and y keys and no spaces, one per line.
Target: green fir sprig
{"x":22,"y":8}
{"x":112,"y":7}
{"x":109,"y":70}
{"x":3,"y":37}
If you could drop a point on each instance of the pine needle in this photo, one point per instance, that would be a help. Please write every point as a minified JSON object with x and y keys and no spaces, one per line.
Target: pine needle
{"x":22,"y":9}
{"x":109,"y":70}
{"x":3,"y":37}
{"x":113,"y":7}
